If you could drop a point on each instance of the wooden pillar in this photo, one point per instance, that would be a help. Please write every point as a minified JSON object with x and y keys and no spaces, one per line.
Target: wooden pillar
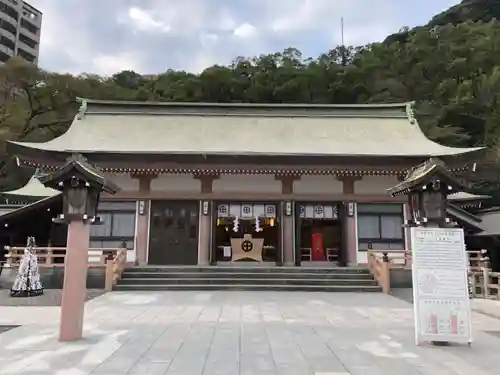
{"x":205,"y":224}
{"x":142,"y":230}
{"x":74,"y":289}
{"x":288,"y":222}
{"x":349,"y":226}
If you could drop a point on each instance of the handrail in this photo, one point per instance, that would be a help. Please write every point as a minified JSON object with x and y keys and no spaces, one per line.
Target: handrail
{"x":380,"y":262}
{"x":112,"y":259}
{"x":379,"y":268}
{"x":114,"y":269}
{"x":47,"y":258}
{"x":485,"y":283}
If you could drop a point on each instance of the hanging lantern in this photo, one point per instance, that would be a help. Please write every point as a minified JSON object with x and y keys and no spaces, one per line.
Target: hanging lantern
{"x":81,"y":186}
{"x":272,"y":222}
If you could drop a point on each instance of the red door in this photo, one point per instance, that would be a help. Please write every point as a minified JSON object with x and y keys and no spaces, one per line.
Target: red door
{"x":318,"y":251}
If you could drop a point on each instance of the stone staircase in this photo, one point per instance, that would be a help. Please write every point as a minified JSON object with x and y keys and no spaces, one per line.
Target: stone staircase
{"x":247,"y":278}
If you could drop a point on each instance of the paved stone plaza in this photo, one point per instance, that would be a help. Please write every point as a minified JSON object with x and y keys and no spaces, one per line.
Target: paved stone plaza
{"x":247,"y":333}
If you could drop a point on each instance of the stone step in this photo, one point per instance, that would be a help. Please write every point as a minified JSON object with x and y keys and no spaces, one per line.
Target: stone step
{"x":248,"y":269}
{"x":246,"y":281}
{"x":247,"y":287}
{"x":247,"y":277}
{"x":237,"y":275}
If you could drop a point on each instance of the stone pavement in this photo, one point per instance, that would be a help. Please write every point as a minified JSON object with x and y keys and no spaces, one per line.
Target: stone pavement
{"x":239,"y":333}
{"x":50,"y":297}
{"x":486,"y":306}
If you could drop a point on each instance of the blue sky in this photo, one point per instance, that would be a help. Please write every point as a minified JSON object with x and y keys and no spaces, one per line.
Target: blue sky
{"x":151,"y":36}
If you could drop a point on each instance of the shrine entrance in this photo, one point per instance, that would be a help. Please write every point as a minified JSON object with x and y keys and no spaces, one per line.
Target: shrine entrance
{"x":246,"y":232}
{"x":173,"y":234}
{"x":318,"y":232}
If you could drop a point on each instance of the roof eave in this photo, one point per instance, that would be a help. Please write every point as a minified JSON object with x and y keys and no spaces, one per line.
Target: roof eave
{"x":25,"y":150}
{"x":11,"y":195}
{"x":29,"y":150}
{"x":29,"y":207}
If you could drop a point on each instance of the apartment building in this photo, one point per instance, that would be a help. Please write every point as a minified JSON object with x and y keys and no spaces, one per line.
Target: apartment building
{"x":20,"y":26}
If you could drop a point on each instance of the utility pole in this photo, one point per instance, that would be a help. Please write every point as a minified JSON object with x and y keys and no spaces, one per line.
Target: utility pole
{"x":342,"y":48}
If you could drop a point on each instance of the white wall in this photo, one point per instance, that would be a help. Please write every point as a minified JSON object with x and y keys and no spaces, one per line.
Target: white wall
{"x":318,"y":185}
{"x":124,"y":181}
{"x":247,"y":184}
{"x":375,"y":184}
{"x":176,"y":183}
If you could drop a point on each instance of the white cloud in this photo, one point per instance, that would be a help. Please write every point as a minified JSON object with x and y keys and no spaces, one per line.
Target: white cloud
{"x":104,"y":36}
{"x":245,"y":31}
{"x":208,"y":39}
{"x":109,"y":64}
{"x":225,"y":20}
{"x":143,"y":21}
{"x":180,"y":17}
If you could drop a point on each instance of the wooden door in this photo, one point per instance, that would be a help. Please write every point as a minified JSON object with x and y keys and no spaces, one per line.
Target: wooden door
{"x":317,"y":248}
{"x":173,"y":234}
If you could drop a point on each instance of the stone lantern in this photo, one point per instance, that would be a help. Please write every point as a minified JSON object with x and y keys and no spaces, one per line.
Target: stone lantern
{"x":427,"y":187}
{"x":80,"y":185}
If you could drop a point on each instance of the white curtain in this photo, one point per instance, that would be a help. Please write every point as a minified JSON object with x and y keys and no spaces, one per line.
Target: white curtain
{"x":391,"y":227}
{"x":103,"y":229}
{"x":368,"y":226}
{"x":123,"y":225}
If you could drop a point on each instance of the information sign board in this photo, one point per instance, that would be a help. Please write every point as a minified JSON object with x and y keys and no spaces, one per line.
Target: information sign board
{"x":440,"y":285}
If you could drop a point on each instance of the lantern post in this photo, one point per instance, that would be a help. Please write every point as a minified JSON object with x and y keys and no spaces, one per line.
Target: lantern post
{"x":81,"y":186}
{"x":427,"y":187}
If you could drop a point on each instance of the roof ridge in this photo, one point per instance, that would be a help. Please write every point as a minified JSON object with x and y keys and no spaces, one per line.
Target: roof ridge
{"x":390,"y":115}
{"x":86,"y":101}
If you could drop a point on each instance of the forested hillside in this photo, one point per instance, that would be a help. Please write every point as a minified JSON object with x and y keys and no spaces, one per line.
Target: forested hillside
{"x":450,"y":67}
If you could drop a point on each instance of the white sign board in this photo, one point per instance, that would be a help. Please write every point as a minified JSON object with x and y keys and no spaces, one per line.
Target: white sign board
{"x":440,"y":285}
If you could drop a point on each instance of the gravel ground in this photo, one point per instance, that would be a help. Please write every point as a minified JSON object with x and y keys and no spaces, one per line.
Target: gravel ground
{"x":50,"y":297}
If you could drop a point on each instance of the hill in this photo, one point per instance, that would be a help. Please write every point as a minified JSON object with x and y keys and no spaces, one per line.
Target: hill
{"x":468,"y":10}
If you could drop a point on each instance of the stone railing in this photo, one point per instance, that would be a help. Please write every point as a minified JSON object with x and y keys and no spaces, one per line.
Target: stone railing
{"x":113,"y":260}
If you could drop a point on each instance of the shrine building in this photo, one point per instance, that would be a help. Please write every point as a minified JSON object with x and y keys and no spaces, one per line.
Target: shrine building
{"x":213,"y":183}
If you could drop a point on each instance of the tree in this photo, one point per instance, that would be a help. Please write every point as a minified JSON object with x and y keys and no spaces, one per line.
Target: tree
{"x":450,"y":67}
{"x":36,"y":106}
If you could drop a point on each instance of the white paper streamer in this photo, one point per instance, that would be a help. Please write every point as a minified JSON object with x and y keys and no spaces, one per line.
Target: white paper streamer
{"x":257,"y":224}
{"x":236,"y":224}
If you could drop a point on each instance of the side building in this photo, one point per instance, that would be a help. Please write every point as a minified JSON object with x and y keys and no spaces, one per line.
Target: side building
{"x":28,"y":212}
{"x":205,"y":183}
{"x":20,"y":30}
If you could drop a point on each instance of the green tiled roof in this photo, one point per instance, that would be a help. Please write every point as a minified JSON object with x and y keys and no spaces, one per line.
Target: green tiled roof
{"x":244,"y":129}
{"x":33,"y":188}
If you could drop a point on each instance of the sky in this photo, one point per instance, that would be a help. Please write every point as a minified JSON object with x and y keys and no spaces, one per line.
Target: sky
{"x":150,"y":36}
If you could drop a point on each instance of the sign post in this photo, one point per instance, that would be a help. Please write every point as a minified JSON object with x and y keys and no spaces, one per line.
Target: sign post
{"x":440,"y":286}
